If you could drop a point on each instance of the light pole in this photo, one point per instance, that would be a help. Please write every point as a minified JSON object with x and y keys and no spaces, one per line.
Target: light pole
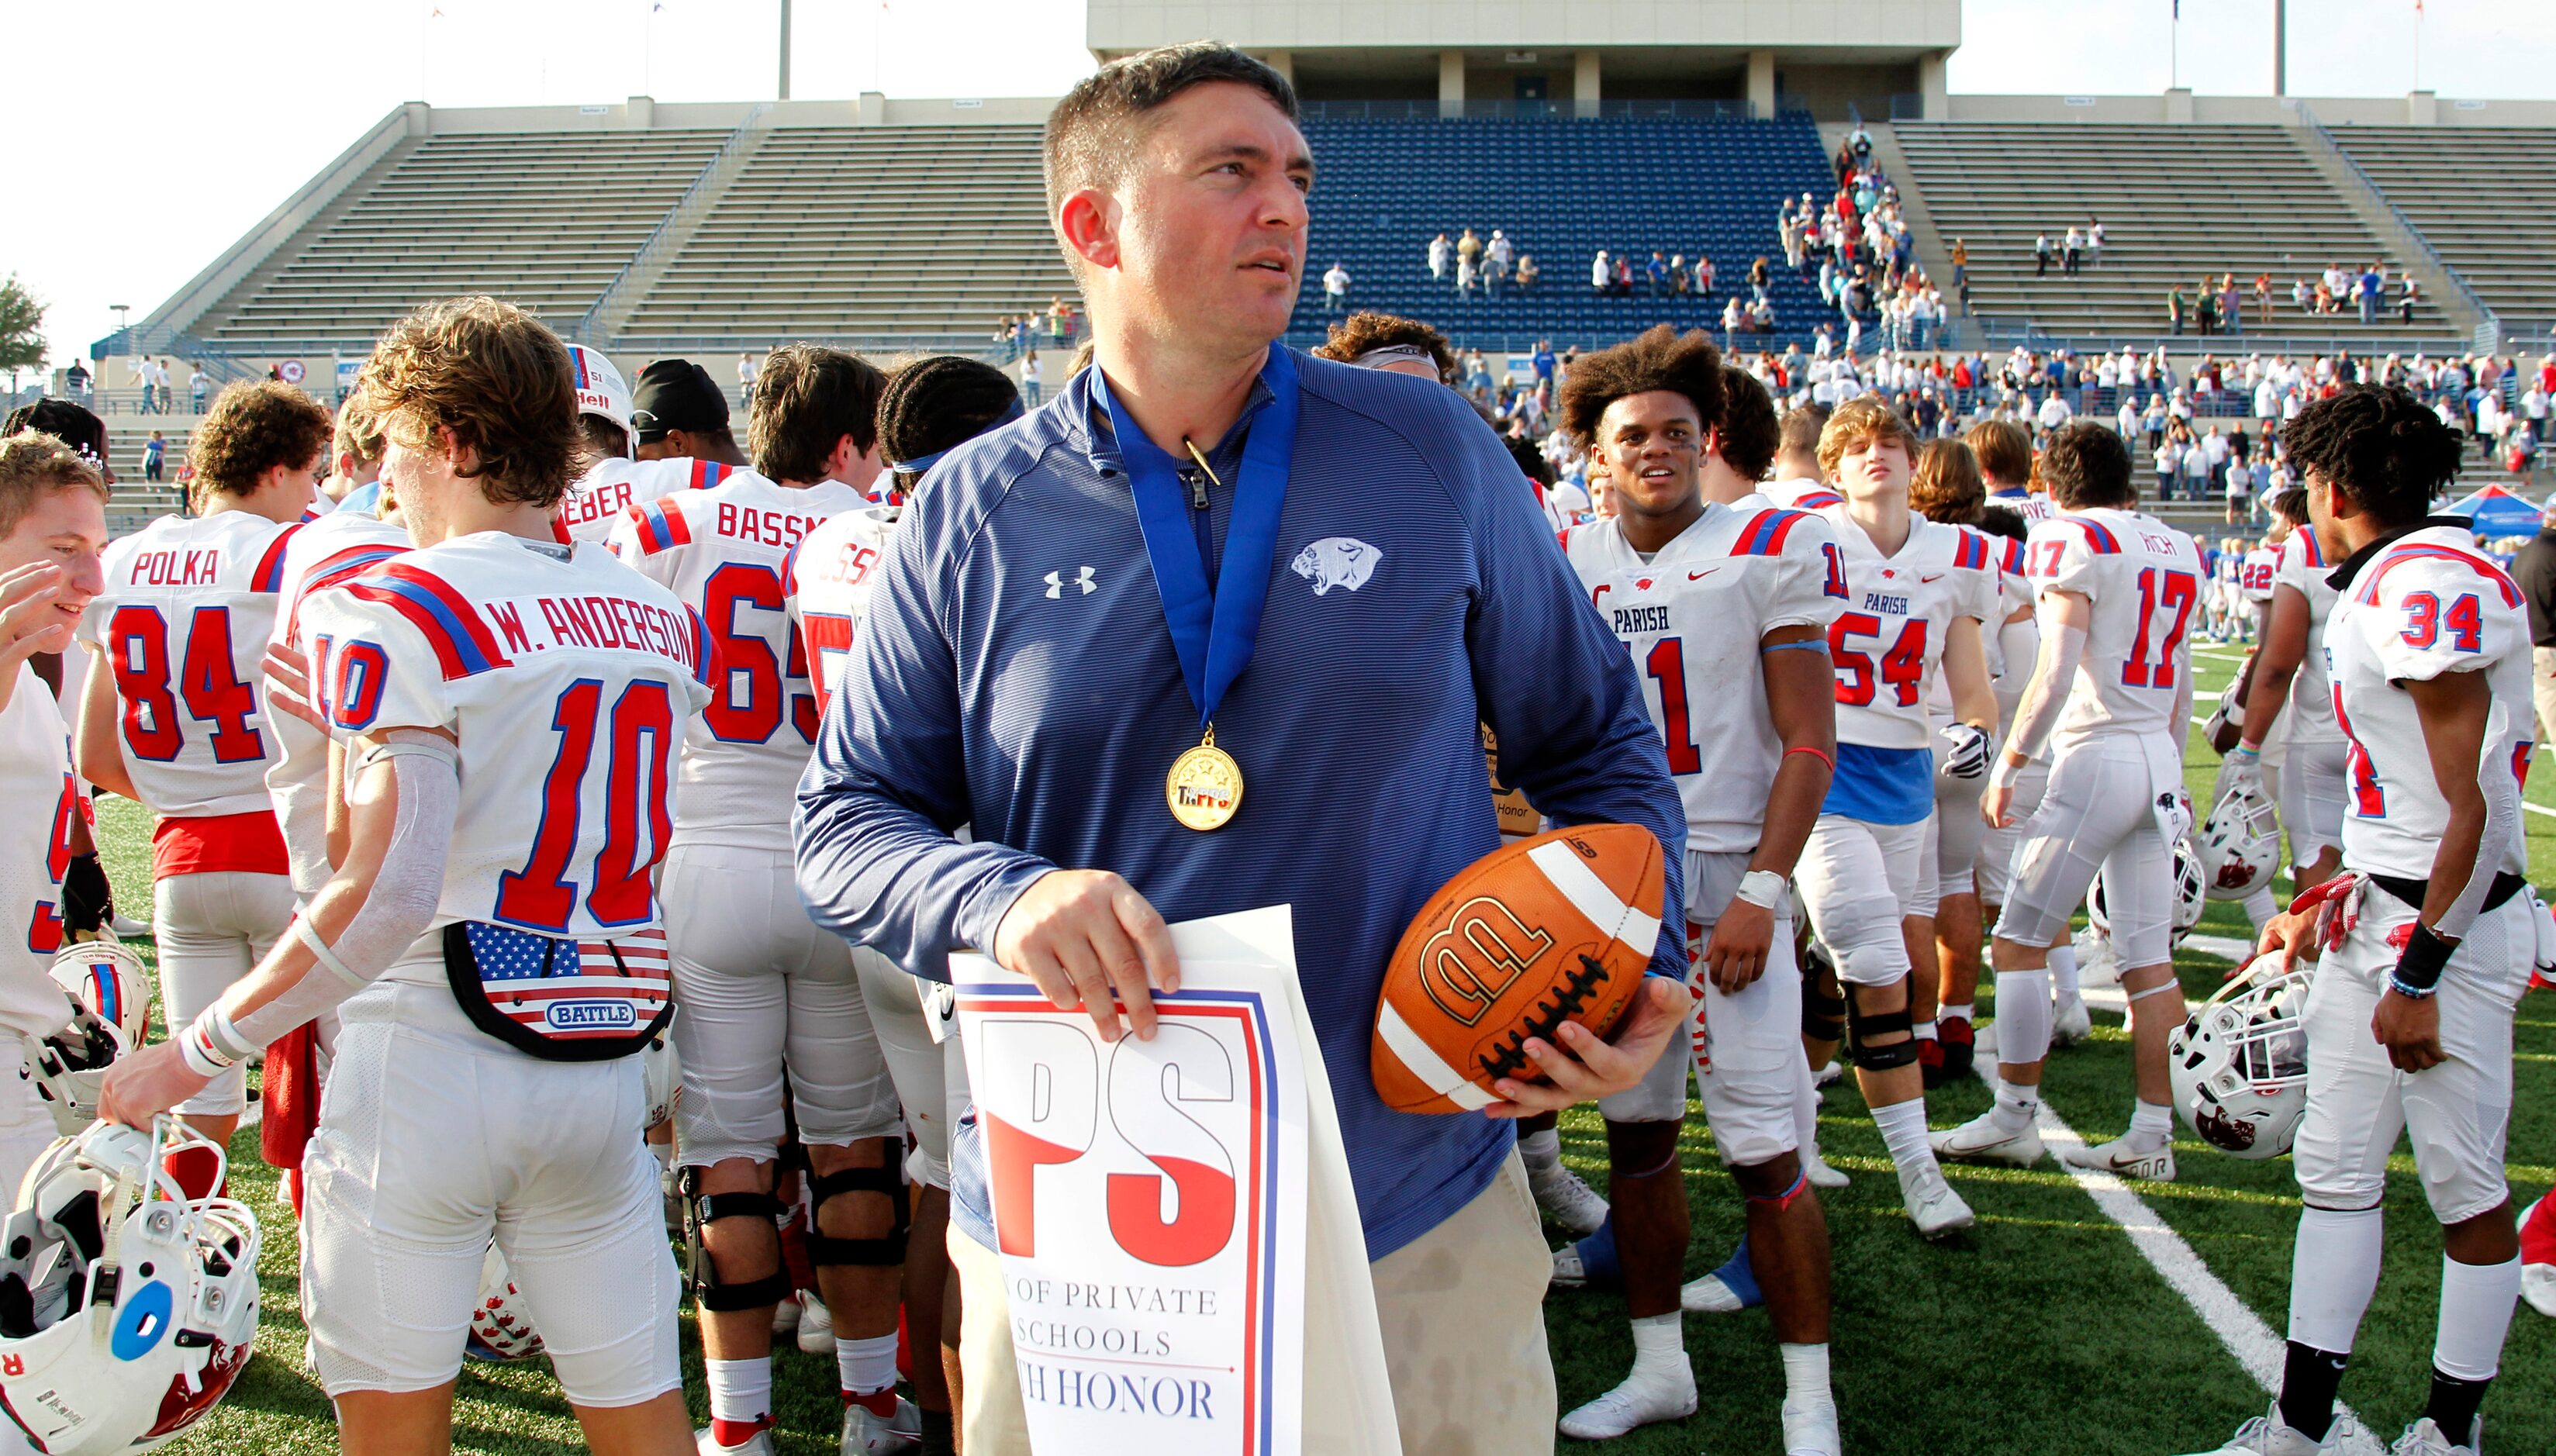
{"x":785,"y":49}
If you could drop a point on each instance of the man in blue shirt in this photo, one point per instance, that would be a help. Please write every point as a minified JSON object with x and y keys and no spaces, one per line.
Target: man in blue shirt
{"x":1019,"y":673}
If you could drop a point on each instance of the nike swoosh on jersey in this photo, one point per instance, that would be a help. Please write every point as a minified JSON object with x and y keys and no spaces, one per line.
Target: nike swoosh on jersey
{"x":1922,"y":581}
{"x":1700,"y":576}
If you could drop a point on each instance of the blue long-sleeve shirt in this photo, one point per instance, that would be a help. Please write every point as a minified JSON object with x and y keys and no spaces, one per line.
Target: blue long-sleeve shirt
{"x":1015,"y":674}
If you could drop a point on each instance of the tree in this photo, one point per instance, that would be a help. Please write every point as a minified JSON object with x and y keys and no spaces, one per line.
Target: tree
{"x":22,"y":329}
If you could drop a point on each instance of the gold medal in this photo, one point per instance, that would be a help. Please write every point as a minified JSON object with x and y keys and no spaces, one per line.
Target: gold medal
{"x":1205,"y":786}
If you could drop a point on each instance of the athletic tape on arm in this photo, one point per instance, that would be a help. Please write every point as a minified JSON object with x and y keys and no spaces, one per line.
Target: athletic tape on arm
{"x":425,"y":784}
{"x":2061,"y":647}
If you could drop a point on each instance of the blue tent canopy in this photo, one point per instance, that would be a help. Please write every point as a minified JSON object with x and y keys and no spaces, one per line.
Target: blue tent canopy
{"x":2496,"y":512}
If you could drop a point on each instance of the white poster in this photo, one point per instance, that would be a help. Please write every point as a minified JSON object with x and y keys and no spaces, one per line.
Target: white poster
{"x":1151,"y":1205}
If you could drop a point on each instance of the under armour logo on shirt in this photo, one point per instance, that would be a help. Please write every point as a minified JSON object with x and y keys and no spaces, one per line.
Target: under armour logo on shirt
{"x":1055,"y":583}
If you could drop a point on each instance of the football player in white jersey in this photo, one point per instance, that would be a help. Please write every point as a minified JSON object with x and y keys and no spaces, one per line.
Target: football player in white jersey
{"x":171,"y":714}
{"x":2005,"y":452}
{"x":677,"y":423}
{"x":772,"y":1004}
{"x":928,"y":407}
{"x":53,"y":531}
{"x":2290,"y":673}
{"x":1798,"y":483}
{"x":490,"y":940}
{"x":2018,"y":646}
{"x":1725,"y":609}
{"x":2425,"y":942}
{"x":2118,"y":594}
{"x":1947,"y":488}
{"x":1916,"y":593}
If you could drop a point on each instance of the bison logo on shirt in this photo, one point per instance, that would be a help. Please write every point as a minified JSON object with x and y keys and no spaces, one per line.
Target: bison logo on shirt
{"x":1337,"y":561}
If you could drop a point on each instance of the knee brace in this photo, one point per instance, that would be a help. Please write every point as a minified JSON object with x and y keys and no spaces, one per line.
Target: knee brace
{"x":888,"y":1180}
{"x":1861,"y":1026}
{"x":700,"y":1271}
{"x":1823,"y":1015}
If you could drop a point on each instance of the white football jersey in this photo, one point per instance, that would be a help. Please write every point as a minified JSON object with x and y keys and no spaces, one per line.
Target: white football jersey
{"x":599,"y":500}
{"x":719,"y":552}
{"x":828,"y":579}
{"x":2254,"y":574}
{"x":1887,"y":645}
{"x":2143,"y":577}
{"x":341,"y":545}
{"x":2032,"y":506}
{"x":1801,"y":493}
{"x":567,"y":678}
{"x":35,"y":844}
{"x":182,"y":625}
{"x":1693,"y":617}
{"x":2429,"y":603}
{"x":2304,"y":569}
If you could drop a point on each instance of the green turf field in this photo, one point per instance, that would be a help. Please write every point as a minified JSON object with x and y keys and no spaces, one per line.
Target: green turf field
{"x":2043,"y":1330}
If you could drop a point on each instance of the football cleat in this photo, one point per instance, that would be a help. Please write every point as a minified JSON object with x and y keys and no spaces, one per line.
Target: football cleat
{"x":1930,"y":1062}
{"x":1811,"y":1429}
{"x":2266,"y":1435}
{"x":2423,"y":1438}
{"x":1828,"y":1075}
{"x":2121,"y":1160}
{"x":1659,"y":1393}
{"x":2096,"y":964}
{"x":2538,"y":1257}
{"x":1727,"y":1290}
{"x":1589,"y":1262}
{"x":2070,"y":1023}
{"x":868,"y":1433}
{"x":815,"y":1325}
{"x":1985,"y":1140}
{"x":707,"y":1444}
{"x":784,"y":1315}
{"x":1568,"y":1200}
{"x":1816,"y":1170}
{"x":1932,"y":1205}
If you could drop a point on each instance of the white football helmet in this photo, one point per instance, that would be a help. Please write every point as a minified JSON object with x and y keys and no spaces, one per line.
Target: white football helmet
{"x":69,"y":1068}
{"x":664,"y":1074}
{"x":126,"y":1308}
{"x":600,"y":389}
{"x":2239,"y":1064}
{"x":2240,"y":845}
{"x":2189,"y":895}
{"x":111,"y":981}
{"x":501,"y":1327}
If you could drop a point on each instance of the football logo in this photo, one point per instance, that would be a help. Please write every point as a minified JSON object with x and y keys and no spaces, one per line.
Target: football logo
{"x":1337,"y":561}
{"x":1483,"y":950}
{"x":2218,"y":1130}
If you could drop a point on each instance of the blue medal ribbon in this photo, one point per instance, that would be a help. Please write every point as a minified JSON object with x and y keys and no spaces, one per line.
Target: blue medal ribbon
{"x":1214,"y":630}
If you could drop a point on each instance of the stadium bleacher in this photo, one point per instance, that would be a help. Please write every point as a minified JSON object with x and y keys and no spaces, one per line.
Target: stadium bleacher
{"x":2460,"y":187}
{"x":866,"y":233}
{"x":1561,"y":190}
{"x":2176,"y":201}
{"x":544,"y":218}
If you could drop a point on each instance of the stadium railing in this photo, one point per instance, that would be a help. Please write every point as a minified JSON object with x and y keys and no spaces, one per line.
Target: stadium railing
{"x":665,"y":228}
{"x":1699,"y":108}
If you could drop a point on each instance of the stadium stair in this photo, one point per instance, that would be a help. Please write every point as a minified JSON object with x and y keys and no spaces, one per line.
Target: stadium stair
{"x":1560,"y":188}
{"x":2467,"y":189}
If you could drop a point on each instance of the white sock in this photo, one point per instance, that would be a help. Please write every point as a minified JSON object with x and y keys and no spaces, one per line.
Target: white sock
{"x":1659,"y":1346}
{"x":1903,"y":1132}
{"x":2015,"y":1105}
{"x":2476,"y":1312}
{"x":1541,"y":1151}
{"x":1960,"y":1013}
{"x":2063,"y":968}
{"x":2333,"y":1270}
{"x":741,"y":1389}
{"x":1923,"y":1030}
{"x":2260,"y":907}
{"x":1806,"y":1372}
{"x":866,"y":1367}
{"x":2023,"y":1017}
{"x":2151,"y":1124}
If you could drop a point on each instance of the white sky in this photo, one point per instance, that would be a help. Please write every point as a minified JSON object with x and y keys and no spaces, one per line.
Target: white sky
{"x":187,"y":121}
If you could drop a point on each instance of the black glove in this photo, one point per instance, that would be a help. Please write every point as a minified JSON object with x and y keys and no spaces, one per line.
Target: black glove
{"x":87,"y":902}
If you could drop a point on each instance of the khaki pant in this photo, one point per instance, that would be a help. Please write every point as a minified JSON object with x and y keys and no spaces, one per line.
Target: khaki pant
{"x":1461,"y":1309}
{"x":2542,"y":687}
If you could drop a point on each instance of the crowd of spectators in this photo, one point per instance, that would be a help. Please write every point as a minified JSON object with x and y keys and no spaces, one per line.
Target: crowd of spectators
{"x":1472,"y":262}
{"x":1859,"y":253}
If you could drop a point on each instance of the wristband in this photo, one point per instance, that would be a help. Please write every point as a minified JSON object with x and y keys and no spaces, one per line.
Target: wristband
{"x":2397,"y":983}
{"x":2420,"y":963}
{"x":1764,"y":889}
{"x":2003,"y":773}
{"x":1814,"y":753}
{"x":2251,"y":751}
{"x":224,"y":1035}
{"x":196,"y":1048}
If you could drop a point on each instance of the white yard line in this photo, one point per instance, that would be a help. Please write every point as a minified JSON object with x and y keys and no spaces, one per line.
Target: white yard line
{"x":2238,"y":1327}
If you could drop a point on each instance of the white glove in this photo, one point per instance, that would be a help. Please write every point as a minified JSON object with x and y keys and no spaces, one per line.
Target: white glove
{"x":2243,"y":766}
{"x":1965,"y":754}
